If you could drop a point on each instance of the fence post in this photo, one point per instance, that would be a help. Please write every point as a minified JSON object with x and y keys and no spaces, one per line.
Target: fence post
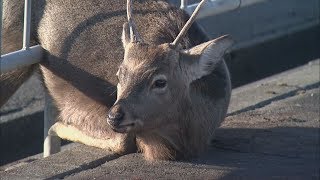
{"x":26,"y":24}
{"x":52,"y":144}
{"x":0,"y":28}
{"x":183,"y":4}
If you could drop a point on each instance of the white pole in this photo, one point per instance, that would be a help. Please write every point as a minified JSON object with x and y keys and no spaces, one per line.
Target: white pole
{"x":214,"y":7}
{"x":20,"y":59}
{"x":184,"y":4}
{"x":26,"y":26}
{"x":0,"y":27}
{"x":51,"y":144}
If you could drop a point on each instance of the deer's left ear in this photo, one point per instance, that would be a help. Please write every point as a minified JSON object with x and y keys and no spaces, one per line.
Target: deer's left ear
{"x":200,"y":60}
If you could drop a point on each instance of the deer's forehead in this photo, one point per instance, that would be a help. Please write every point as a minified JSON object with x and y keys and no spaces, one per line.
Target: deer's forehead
{"x":140,"y":53}
{"x":142,"y":58}
{"x":143,"y":71}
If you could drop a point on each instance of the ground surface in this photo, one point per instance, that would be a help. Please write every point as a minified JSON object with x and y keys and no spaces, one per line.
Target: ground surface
{"x":272,"y":132}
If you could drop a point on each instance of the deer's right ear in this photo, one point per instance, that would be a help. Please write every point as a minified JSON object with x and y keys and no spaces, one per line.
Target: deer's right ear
{"x":200,"y":60}
{"x":125,"y":34}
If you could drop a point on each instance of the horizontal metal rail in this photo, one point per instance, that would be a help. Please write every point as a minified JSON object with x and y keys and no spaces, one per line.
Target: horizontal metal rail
{"x":214,"y":7}
{"x":21,"y":58}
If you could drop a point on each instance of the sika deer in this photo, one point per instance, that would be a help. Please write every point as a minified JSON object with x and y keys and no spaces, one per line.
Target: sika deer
{"x":167,"y":98}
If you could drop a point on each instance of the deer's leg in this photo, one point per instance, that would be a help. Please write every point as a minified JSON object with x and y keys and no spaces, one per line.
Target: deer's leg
{"x":119,"y":143}
{"x":82,"y":119}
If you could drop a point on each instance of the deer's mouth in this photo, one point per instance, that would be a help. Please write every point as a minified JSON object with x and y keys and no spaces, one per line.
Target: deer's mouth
{"x":123,"y":128}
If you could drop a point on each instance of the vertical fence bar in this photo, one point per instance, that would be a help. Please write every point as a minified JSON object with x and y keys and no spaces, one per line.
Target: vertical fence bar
{"x":183,"y":4}
{"x":51,"y":144}
{"x":26,"y":26}
{"x":0,"y":28}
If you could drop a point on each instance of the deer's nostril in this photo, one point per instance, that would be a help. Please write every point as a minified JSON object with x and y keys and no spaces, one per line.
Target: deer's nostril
{"x":116,"y":116}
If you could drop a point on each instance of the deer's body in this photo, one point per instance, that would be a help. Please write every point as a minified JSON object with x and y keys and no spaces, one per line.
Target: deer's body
{"x":83,"y":51}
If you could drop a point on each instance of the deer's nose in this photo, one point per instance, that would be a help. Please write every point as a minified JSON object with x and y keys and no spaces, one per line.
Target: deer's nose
{"x":115,"y":116}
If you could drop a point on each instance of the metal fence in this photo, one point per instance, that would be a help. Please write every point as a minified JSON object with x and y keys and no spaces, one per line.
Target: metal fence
{"x":31,"y":55}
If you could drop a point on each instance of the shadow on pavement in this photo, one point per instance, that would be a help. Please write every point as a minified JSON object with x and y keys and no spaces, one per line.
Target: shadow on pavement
{"x":284,"y":152}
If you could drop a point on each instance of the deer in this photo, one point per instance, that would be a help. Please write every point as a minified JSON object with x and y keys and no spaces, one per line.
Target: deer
{"x":125,"y":76}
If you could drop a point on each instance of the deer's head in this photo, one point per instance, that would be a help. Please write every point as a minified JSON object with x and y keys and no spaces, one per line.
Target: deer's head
{"x":154,"y":80}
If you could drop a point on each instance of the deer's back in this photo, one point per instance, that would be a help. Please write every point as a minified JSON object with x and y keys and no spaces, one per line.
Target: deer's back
{"x":84,"y":41}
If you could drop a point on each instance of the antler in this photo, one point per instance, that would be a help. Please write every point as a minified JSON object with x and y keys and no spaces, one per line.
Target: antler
{"x":187,"y":26}
{"x":134,"y":34}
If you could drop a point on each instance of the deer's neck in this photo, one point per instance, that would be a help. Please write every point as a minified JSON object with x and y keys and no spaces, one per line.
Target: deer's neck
{"x":171,"y":141}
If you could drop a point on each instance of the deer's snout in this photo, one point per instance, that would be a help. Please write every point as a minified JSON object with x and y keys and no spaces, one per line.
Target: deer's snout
{"x":115,"y":116}
{"x":118,"y":120}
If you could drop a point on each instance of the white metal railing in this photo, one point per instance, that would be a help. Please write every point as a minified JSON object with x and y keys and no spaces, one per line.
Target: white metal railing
{"x":31,"y":55}
{"x":24,"y":57}
{"x":21,"y":58}
{"x":214,"y":7}
{"x":183,"y":4}
{"x":0,"y":28}
{"x":26,"y":24}
{"x":28,"y":55}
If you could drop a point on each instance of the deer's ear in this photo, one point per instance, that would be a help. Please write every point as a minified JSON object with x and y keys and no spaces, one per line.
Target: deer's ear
{"x":200,"y":60}
{"x":125,"y":34}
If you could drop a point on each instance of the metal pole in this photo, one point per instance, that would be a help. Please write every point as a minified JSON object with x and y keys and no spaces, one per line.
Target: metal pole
{"x":26,"y":26}
{"x":184,"y":4}
{"x":21,"y":58}
{"x":0,"y":28}
{"x":51,"y":144}
{"x":214,"y":7}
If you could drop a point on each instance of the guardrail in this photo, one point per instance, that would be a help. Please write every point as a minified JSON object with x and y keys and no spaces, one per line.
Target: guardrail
{"x":31,"y":55}
{"x":27,"y":55}
{"x":24,"y":57}
{"x":0,"y":28}
{"x":214,"y":7}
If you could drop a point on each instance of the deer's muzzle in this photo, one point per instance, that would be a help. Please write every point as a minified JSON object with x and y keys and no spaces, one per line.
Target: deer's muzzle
{"x":116,"y":119}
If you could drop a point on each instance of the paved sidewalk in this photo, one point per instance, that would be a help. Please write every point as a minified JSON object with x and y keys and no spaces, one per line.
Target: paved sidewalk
{"x":272,"y":132}
{"x":278,"y":141}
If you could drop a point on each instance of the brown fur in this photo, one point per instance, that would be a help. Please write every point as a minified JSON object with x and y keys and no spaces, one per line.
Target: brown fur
{"x":83,"y":50}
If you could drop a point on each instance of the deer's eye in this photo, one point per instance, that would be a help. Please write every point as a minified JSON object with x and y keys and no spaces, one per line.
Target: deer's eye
{"x":160,"y":83}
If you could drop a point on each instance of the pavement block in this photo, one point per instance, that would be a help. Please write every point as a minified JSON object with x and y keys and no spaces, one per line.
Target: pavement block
{"x":59,"y":165}
{"x":279,"y":86}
